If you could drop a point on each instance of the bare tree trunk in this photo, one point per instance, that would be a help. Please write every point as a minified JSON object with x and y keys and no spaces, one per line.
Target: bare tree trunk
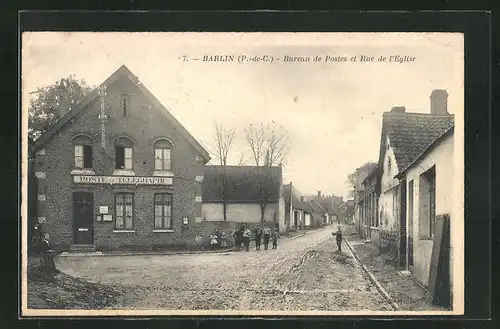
{"x":224,"y":193}
{"x":262,"y":211}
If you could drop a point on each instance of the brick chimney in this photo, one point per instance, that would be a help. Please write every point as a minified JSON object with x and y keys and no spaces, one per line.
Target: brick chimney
{"x":439,"y":102}
{"x":398,"y":109}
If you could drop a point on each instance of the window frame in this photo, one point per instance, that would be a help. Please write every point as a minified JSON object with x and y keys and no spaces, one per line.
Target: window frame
{"x":432,"y":202}
{"x":124,"y":143}
{"x":84,"y":142}
{"x":124,"y":217}
{"x":427,"y":204}
{"x":163,"y":144}
{"x":125,"y":104}
{"x":165,"y":196}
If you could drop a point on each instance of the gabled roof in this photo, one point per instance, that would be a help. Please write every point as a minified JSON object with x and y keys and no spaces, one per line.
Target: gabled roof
{"x":291,"y":193}
{"x":242,"y":184}
{"x":370,"y":174}
{"x":122,"y":71}
{"x":410,"y":134}
{"x":426,"y":150}
{"x":316,"y":206}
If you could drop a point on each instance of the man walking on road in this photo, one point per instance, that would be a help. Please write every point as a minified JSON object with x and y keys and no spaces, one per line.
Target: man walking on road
{"x":267,"y":234}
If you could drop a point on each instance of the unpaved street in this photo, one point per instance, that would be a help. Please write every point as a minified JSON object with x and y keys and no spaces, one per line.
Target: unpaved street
{"x":303,"y":274}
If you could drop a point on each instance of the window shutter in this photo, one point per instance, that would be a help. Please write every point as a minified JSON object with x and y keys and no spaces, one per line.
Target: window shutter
{"x":120,"y":157}
{"x":87,"y":156}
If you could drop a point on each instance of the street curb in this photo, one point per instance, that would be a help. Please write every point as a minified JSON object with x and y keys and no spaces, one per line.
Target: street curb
{"x":101,"y":254}
{"x":377,"y":284}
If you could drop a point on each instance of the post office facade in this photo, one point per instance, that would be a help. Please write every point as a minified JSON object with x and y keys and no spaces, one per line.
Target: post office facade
{"x":119,"y":171}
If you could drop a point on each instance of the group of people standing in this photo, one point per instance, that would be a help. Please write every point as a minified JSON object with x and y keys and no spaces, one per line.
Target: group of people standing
{"x":242,"y":237}
{"x":218,"y":239}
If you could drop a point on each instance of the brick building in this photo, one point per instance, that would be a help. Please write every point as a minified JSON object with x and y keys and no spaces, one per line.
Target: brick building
{"x":119,"y":171}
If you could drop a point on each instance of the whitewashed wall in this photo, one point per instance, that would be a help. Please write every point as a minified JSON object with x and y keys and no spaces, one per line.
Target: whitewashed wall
{"x":442,"y":158}
{"x":243,"y":212}
{"x":388,"y":186}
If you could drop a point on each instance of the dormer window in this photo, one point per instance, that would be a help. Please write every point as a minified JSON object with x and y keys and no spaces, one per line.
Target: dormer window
{"x":125,"y":104}
{"x":83,"y":152}
{"x":124,"y":153}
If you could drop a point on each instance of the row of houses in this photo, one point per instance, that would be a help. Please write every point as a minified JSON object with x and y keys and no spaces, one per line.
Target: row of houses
{"x":119,"y":171}
{"x":404,"y":203}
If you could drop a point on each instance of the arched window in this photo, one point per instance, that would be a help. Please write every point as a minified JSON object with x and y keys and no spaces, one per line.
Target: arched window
{"x":125,"y":104}
{"x":124,"y":153}
{"x":82,"y":146}
{"x":163,"y":154}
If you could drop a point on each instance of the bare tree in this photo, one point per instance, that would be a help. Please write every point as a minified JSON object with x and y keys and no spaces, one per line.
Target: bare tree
{"x":223,"y":140}
{"x":269,"y":147}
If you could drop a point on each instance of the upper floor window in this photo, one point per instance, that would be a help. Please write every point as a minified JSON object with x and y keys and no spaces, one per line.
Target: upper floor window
{"x":83,"y":152}
{"x":389,"y":164}
{"x":124,"y":153}
{"x":163,"y":155}
{"x":125,"y":104}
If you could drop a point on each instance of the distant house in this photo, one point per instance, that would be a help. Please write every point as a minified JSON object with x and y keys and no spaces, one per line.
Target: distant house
{"x":298,"y":212}
{"x":404,"y":137}
{"x":429,"y":181}
{"x":346,"y":211}
{"x":367,"y":205}
{"x":318,"y":213}
{"x":330,"y":203}
{"x":244,"y":194}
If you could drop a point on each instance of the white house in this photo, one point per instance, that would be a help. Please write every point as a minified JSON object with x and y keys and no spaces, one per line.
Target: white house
{"x":404,"y":137}
{"x":430,"y":181}
{"x":298,"y":213}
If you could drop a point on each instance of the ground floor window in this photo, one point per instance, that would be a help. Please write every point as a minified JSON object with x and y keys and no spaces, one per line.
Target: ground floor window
{"x":163,"y":211}
{"x":427,"y":204}
{"x":124,"y":211}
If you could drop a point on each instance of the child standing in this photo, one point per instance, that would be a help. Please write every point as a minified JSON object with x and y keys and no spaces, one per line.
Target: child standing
{"x":213,"y":241}
{"x":275,"y":237}
{"x":267,"y":233}
{"x":338,"y":236}
{"x":258,"y":237}
{"x":246,"y":238}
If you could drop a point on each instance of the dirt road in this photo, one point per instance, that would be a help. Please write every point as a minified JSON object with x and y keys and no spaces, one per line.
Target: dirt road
{"x":303,"y":274}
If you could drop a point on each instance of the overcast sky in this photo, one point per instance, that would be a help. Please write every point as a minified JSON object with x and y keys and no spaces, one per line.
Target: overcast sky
{"x":331,"y":111}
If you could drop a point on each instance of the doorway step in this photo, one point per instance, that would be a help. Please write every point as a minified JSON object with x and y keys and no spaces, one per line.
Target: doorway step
{"x":82,"y":248}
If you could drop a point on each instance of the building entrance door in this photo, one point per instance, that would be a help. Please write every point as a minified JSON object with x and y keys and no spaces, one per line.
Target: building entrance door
{"x":83,"y":218}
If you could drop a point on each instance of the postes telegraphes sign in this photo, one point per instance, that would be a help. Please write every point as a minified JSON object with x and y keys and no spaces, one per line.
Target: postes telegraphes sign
{"x":122,"y":180}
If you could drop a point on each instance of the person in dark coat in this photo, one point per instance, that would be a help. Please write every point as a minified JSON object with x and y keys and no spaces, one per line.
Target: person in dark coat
{"x":238,"y":239}
{"x":338,"y":236}
{"x":267,"y":234}
{"x":258,"y":237}
{"x":48,"y":264}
